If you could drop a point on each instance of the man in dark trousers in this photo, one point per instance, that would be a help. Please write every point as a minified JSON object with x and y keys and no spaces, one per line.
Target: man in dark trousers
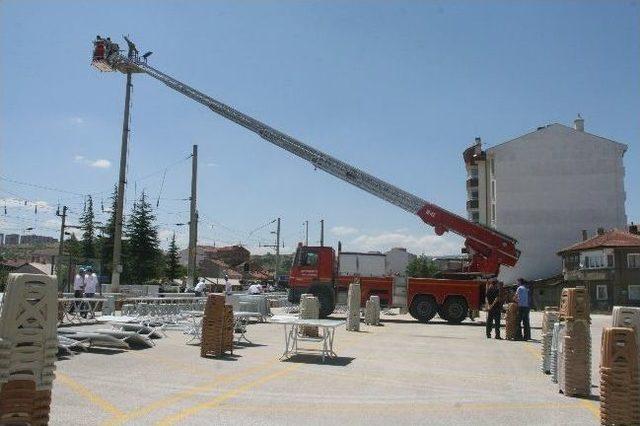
{"x":523,"y":331}
{"x":494,"y":304}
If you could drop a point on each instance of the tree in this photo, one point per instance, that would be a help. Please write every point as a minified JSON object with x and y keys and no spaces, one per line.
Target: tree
{"x":422,"y":267}
{"x":143,"y":259}
{"x":108,"y":231}
{"x":87,"y":224}
{"x":174,"y":269}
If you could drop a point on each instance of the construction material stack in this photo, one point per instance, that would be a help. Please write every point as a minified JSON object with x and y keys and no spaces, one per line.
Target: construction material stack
{"x":28,"y":348}
{"x":217,"y":327}
{"x":558,"y":336}
{"x":372,"y":311}
{"x":511,"y":321}
{"x":629,"y":317}
{"x":309,"y":309}
{"x":619,"y":386}
{"x":574,"y":349}
{"x":549,"y":318}
{"x":353,"y":306}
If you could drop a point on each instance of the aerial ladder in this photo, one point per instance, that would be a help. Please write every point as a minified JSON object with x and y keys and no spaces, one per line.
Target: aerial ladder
{"x":488,"y":248}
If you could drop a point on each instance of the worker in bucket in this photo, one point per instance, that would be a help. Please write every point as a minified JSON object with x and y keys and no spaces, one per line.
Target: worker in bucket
{"x":523,"y":331}
{"x":494,"y":308}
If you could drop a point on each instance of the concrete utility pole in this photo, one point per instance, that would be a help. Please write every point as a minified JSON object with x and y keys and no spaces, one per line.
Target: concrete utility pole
{"x":61,"y":244}
{"x":321,"y":232}
{"x":193,"y":221}
{"x":117,"y":234}
{"x":275,"y":275}
{"x":306,"y":232}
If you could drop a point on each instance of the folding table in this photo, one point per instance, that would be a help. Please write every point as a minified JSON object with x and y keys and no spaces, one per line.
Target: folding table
{"x":293,"y":335}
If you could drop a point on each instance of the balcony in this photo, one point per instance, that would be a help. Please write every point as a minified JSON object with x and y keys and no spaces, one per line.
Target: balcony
{"x":472,"y":182}
{"x":472,"y":204}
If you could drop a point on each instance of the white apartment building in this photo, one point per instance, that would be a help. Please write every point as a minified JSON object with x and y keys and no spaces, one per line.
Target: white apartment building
{"x":543,"y":189}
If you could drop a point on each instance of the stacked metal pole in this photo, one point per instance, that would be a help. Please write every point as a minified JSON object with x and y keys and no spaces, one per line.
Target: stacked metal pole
{"x":549,"y":318}
{"x":28,"y":348}
{"x":353,"y":306}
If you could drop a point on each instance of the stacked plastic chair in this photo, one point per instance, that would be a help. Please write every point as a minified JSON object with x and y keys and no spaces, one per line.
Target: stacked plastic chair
{"x":549,"y":318}
{"x":353,"y":307}
{"x":511,"y":321}
{"x":372,"y":311}
{"x":309,"y":309}
{"x":574,"y":350}
{"x":28,"y":348}
{"x":628,"y":316}
{"x":217,"y":325}
{"x":619,"y":386}
{"x":558,"y":336}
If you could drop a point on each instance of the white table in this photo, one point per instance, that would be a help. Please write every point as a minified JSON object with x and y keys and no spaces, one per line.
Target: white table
{"x":293,"y":335}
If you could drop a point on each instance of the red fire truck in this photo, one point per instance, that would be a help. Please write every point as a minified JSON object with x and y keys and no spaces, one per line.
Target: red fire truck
{"x":314,"y":270}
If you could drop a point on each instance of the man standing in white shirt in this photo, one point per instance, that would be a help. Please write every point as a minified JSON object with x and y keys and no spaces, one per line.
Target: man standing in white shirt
{"x":200,"y":287}
{"x":78,"y":289}
{"x":90,"y":285}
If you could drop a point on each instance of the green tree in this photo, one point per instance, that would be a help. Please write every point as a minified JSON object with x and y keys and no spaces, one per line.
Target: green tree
{"x":87,"y":224}
{"x":106,"y":239}
{"x":422,"y":267}
{"x":173,"y":268}
{"x":143,"y":258}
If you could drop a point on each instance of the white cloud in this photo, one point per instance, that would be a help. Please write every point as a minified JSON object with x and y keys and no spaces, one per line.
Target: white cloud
{"x":427,"y":243}
{"x":100,"y":163}
{"x":340,"y":231}
{"x":77,"y":120}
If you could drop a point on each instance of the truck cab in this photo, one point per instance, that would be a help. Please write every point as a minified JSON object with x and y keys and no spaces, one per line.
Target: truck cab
{"x":314,"y":271}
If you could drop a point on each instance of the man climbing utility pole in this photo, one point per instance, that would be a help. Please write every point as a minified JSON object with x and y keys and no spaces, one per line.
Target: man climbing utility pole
{"x":117,"y":235}
{"x":193,"y":221}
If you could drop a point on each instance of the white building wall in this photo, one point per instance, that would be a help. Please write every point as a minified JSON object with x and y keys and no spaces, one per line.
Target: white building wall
{"x":551,"y":184}
{"x":397,"y":261}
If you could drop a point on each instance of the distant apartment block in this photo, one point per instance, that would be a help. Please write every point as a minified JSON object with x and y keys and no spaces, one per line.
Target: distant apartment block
{"x":11,"y":239}
{"x":1,"y":239}
{"x":543,"y":188}
{"x":36,"y":239}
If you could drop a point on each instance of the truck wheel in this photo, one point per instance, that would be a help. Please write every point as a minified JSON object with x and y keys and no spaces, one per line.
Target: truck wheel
{"x":326,"y":297}
{"x":455,"y":310}
{"x":442,"y":313}
{"x":423,"y":308}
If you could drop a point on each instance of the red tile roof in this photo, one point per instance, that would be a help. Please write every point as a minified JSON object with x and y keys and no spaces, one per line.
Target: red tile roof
{"x":613,"y":238}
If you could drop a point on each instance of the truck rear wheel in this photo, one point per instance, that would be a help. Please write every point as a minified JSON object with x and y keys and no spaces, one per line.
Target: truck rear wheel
{"x":423,"y":308}
{"x":326,"y":297}
{"x":455,"y":310}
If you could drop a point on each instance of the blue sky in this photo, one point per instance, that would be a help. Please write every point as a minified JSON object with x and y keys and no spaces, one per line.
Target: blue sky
{"x":396,"y":88}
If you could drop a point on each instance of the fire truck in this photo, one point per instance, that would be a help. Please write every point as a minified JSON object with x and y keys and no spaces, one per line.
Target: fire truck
{"x":453,"y":297}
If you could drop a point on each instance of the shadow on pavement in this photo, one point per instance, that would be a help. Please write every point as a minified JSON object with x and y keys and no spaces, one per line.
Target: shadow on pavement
{"x":340,"y":361}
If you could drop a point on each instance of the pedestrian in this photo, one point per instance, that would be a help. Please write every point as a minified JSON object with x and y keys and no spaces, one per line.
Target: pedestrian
{"x":523,"y":331}
{"x":494,"y":308}
{"x":90,"y":285}
{"x":200,"y":288}
{"x":227,"y":288}
{"x":78,"y":289}
{"x":255,"y":289}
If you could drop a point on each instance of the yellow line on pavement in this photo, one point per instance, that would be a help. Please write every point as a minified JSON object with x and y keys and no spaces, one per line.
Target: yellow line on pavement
{"x":591,"y":406}
{"x":177,"y":397}
{"x":187,"y":412}
{"x":88,"y":394}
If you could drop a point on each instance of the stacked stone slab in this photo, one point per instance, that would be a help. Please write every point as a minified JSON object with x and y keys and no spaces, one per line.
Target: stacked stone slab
{"x":558,"y":336}
{"x":309,"y":309}
{"x":511,"y":321}
{"x":353,"y":307}
{"x":28,"y":348}
{"x":619,"y":386}
{"x":372,"y":311}
{"x":629,"y":317}
{"x":217,"y":327}
{"x":574,"y":349}
{"x":549,"y":318}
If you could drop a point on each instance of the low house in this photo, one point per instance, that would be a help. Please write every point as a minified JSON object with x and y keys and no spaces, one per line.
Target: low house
{"x":608,"y":265}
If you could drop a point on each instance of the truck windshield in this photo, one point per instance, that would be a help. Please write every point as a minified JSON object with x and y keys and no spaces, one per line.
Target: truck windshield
{"x":305,"y":257}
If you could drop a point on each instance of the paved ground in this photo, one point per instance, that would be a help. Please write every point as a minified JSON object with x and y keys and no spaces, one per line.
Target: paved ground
{"x":402,"y":372}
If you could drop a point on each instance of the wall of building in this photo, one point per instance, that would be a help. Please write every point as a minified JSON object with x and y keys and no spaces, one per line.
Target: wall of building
{"x":551,"y":184}
{"x":397,"y":261}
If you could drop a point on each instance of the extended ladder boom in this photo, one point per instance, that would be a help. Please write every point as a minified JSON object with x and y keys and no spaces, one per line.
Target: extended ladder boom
{"x":488,"y":247}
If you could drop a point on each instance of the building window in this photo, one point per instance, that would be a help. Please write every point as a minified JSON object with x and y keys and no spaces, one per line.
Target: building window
{"x":493,"y":190}
{"x":595,"y":260}
{"x":493,"y":167}
{"x":610,"y":261}
{"x":601,"y":292}
{"x":633,"y":260}
{"x":473,"y":172}
{"x":634,"y":292}
{"x":572,"y":262}
{"x":493,"y":212}
{"x":475,"y":216}
{"x":474,"y":195}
